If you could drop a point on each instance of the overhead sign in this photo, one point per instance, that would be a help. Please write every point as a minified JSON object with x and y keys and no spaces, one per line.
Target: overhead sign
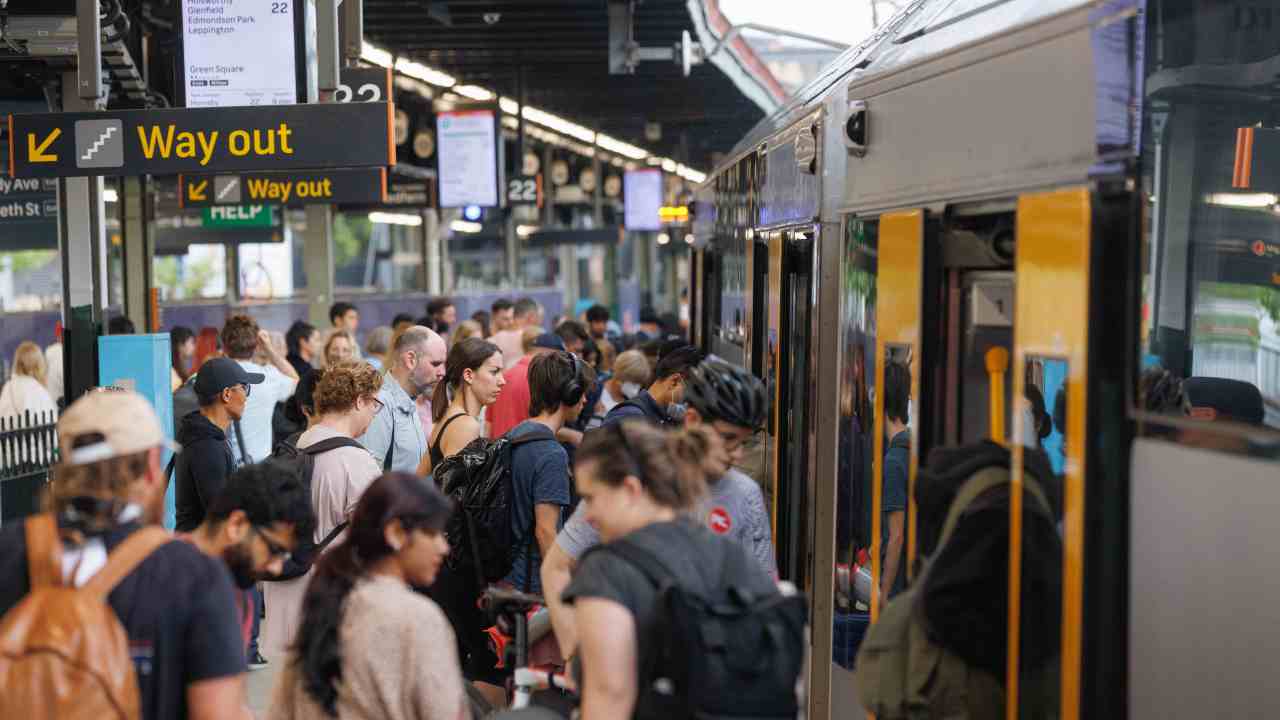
{"x":28,"y":213}
{"x":642,"y":197}
{"x":525,"y":191}
{"x":240,"y":216}
{"x":239,"y":52}
{"x":361,"y":84}
{"x":168,"y":142}
{"x":299,"y":187}
{"x":468,"y":158}
{"x":409,"y":192}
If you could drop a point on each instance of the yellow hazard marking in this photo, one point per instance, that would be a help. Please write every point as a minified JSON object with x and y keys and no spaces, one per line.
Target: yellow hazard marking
{"x":36,"y":153}
{"x":196,"y":190}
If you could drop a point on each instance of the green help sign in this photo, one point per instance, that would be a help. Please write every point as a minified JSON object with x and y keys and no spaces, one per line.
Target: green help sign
{"x":239,"y":216}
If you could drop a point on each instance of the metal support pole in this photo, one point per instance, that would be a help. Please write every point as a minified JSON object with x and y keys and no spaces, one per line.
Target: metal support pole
{"x":327,"y":55}
{"x":352,"y":30}
{"x":138,"y":253}
{"x":434,"y":251}
{"x":82,"y":245}
{"x":234,"y":291}
{"x":318,"y":263}
{"x":520,"y":136}
{"x":644,"y":267}
{"x":512,"y":251}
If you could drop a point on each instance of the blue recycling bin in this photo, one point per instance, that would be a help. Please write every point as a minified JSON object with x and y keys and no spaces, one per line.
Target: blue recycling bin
{"x":141,"y":363}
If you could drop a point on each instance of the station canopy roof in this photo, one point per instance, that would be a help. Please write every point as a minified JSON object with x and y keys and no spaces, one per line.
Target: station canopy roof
{"x":478,"y":48}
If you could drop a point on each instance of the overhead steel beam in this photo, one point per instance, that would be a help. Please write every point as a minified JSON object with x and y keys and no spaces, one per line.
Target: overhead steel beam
{"x":89,"y":52}
{"x":352,"y":30}
{"x":327,"y":54}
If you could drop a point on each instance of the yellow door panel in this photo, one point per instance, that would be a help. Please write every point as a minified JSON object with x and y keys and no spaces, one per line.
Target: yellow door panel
{"x":900,"y":270}
{"x":1051,"y":339}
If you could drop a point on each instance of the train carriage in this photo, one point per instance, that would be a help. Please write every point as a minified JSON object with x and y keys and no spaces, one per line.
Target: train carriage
{"x":1039,"y":207}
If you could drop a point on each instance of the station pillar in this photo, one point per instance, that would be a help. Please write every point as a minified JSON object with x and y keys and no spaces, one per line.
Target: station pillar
{"x":435,"y":252}
{"x":317,"y":254}
{"x":82,"y":246}
{"x":138,"y":253}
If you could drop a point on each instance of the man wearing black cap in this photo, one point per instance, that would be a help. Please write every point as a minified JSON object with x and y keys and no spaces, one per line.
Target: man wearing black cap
{"x":222,"y":386}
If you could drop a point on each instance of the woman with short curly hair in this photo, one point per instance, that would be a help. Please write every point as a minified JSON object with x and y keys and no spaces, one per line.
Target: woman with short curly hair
{"x":346,"y":399}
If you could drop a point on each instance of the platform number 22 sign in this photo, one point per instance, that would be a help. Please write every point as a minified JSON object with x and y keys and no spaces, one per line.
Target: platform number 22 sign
{"x":523,"y":191}
{"x":368,"y":92}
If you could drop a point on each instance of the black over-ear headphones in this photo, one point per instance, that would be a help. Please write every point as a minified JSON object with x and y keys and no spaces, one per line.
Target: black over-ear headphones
{"x":572,"y":392}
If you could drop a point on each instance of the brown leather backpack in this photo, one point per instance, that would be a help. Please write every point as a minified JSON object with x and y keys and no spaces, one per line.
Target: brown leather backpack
{"x":63,"y":652}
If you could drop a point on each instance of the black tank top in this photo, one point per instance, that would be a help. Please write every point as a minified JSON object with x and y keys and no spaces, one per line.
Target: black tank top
{"x":437,"y":454}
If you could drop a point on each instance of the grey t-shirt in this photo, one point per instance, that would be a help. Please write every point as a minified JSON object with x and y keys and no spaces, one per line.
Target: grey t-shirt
{"x":695,"y":558}
{"x":734,"y":508}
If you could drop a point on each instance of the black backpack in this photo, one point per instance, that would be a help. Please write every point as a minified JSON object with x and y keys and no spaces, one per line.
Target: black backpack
{"x":478,"y":478}
{"x":737,"y":655}
{"x":303,"y":462}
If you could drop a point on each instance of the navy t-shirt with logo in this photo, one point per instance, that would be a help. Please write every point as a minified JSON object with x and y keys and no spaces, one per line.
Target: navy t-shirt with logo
{"x":178,"y":608}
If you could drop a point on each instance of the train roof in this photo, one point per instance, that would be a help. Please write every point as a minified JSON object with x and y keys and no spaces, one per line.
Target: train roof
{"x":922,"y":29}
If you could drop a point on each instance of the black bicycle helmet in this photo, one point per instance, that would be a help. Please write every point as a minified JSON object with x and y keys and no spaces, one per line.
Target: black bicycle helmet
{"x":720,"y":391}
{"x":1161,"y":391}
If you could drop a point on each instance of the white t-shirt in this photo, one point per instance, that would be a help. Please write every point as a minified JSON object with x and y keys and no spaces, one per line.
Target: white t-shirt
{"x":22,"y":394}
{"x":53,"y":378}
{"x":256,"y":422}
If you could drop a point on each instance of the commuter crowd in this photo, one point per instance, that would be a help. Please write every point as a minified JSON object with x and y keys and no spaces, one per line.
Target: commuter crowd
{"x":326,"y":520}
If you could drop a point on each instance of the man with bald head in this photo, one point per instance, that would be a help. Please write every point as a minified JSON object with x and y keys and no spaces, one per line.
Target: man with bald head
{"x":396,"y":437}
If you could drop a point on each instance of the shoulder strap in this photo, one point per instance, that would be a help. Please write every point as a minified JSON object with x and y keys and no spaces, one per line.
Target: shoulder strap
{"x":641,"y":559}
{"x":391,"y":446}
{"x":44,"y":551}
{"x":244,"y":454}
{"x":981,"y":482}
{"x":444,"y":427}
{"x":127,"y":556}
{"x":333,"y":534}
{"x":543,"y":433}
{"x":333,"y":443}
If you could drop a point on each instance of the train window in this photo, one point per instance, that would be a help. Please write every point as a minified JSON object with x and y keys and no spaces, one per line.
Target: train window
{"x":1043,"y":431}
{"x":856,"y":446}
{"x":1209,"y":341}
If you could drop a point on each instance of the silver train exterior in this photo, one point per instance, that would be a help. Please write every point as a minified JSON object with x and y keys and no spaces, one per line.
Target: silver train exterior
{"x":1017,"y":199}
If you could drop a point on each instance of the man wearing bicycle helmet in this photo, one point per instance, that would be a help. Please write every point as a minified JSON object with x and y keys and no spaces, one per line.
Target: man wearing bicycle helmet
{"x":730,"y":402}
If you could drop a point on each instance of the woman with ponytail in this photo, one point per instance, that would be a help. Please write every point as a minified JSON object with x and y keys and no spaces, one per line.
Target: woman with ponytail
{"x":472,"y":380}
{"x":368,"y":645}
{"x":639,"y":485}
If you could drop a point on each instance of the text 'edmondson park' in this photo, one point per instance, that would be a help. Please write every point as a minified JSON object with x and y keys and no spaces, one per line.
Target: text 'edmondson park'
{"x":169,"y":142}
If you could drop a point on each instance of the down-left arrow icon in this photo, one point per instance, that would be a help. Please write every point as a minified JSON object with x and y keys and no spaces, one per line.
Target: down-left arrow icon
{"x":38,"y":153}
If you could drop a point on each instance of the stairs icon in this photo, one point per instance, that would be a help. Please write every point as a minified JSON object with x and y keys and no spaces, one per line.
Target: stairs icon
{"x":97,"y":144}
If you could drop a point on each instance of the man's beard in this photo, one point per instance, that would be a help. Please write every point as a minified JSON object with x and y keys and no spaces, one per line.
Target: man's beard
{"x":239,"y":560}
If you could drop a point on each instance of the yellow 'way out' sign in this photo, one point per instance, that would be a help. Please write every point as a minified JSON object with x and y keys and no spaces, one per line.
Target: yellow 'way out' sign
{"x":203,"y":140}
{"x":298,"y":187}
